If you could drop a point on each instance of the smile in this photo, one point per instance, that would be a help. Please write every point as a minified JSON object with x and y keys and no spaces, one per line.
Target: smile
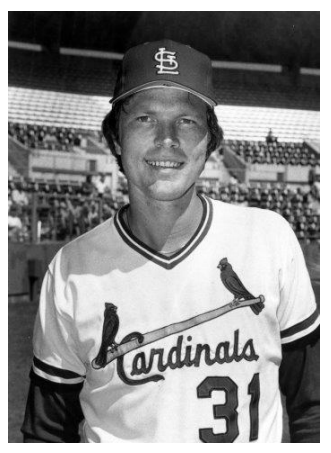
{"x":164,"y":163}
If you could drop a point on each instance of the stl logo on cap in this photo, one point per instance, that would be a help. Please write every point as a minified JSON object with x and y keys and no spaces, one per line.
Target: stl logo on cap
{"x":167,"y":60}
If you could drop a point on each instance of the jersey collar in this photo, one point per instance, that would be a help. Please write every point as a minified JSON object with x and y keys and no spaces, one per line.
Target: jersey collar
{"x":167,"y":262}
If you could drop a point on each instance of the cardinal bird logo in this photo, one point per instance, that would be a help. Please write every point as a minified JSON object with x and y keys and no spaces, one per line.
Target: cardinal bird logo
{"x":232,"y":283}
{"x":109,"y":331}
{"x":111,"y":350}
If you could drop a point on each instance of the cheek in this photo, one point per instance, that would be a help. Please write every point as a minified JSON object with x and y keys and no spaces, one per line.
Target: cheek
{"x":126,"y":139}
{"x":199,"y":148}
{"x":131,"y":146}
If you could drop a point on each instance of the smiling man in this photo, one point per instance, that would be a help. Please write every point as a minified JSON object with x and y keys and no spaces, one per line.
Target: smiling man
{"x":179,"y":319}
{"x":163,"y":137}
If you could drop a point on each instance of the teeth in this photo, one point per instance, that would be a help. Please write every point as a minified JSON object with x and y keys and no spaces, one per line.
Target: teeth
{"x":164,"y":164}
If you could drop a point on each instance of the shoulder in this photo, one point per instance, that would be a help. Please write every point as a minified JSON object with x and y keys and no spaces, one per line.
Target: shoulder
{"x":91,"y":239}
{"x":84,"y":252}
{"x":263,"y":219}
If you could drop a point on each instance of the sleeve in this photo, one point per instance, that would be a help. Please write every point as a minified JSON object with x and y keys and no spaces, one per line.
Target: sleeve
{"x":297,"y":313}
{"x":298,"y":317}
{"x":56,"y":356}
{"x":53,"y":410}
{"x":299,"y":382}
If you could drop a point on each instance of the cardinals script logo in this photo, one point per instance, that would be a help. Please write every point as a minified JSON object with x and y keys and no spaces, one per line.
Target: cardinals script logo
{"x":111,"y":350}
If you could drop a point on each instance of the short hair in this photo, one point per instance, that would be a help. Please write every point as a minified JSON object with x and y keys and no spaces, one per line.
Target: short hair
{"x":111,"y":123}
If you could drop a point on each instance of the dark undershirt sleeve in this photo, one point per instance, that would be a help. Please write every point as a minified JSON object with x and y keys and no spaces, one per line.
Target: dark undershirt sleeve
{"x":299,"y":379}
{"x":53,"y":412}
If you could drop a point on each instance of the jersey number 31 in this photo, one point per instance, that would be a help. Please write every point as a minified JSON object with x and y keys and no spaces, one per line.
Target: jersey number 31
{"x":228,"y":410}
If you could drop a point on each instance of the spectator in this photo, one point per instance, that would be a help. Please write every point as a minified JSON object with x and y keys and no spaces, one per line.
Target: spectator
{"x":93,"y":216}
{"x":88,"y":187}
{"x":107,"y":211}
{"x":15,"y":225}
{"x":19,"y":196}
{"x":10,"y":201}
{"x":315,"y":188}
{"x":63,"y":231}
{"x":74,"y":212}
{"x":270,"y":138}
{"x":101,"y":185}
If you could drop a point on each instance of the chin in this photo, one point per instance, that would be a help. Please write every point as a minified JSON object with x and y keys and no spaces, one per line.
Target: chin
{"x":169,"y":191}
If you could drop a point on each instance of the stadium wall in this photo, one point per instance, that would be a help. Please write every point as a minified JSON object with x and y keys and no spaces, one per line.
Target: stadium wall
{"x":27,"y":264}
{"x":278,"y":173}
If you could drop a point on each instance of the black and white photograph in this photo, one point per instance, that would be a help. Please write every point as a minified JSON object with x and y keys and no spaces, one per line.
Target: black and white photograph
{"x":164,"y":227}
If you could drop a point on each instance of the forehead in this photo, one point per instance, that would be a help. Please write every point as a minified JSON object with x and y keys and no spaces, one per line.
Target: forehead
{"x":161,"y":99}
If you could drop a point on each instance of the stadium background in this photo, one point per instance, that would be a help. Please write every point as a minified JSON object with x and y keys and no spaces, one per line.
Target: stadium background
{"x":62,"y":180}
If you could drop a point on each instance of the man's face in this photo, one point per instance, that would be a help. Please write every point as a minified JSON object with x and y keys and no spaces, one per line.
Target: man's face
{"x":163,"y":142}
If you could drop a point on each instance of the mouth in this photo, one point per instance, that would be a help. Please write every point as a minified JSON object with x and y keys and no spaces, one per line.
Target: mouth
{"x":164,"y":164}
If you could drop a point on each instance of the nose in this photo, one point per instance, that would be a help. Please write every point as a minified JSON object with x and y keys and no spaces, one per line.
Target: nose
{"x":166,"y":136}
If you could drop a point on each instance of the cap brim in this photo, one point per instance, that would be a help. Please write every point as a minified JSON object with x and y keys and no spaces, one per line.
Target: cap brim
{"x":164,"y":84}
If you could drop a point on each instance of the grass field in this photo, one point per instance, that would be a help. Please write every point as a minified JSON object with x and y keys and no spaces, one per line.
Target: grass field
{"x":21,"y":318}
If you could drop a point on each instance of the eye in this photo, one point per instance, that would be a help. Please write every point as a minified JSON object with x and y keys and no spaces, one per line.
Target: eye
{"x":187,"y":121}
{"x":144,"y":119}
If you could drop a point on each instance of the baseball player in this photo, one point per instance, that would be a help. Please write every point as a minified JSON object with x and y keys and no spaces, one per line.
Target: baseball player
{"x":181,"y":318}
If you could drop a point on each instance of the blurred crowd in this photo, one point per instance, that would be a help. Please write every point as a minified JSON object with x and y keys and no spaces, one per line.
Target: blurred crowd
{"x":273,"y":152}
{"x":301,"y":208}
{"x":270,"y":151}
{"x":65,"y":211}
{"x":19,"y":211}
{"x":45,"y":137}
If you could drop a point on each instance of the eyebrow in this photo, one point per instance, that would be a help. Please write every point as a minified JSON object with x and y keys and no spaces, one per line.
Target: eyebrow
{"x":150,"y":111}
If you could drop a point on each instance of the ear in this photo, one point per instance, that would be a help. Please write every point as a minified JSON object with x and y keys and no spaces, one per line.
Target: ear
{"x":118,"y":148}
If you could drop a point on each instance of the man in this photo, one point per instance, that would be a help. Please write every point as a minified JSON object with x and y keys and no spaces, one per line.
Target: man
{"x":15,"y":226}
{"x":101,"y":185}
{"x":176,"y":320}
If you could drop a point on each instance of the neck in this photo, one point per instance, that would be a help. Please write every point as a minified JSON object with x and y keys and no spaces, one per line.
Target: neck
{"x":165,"y":226}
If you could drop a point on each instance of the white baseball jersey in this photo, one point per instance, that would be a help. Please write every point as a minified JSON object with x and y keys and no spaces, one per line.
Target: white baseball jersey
{"x":179,"y":367}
